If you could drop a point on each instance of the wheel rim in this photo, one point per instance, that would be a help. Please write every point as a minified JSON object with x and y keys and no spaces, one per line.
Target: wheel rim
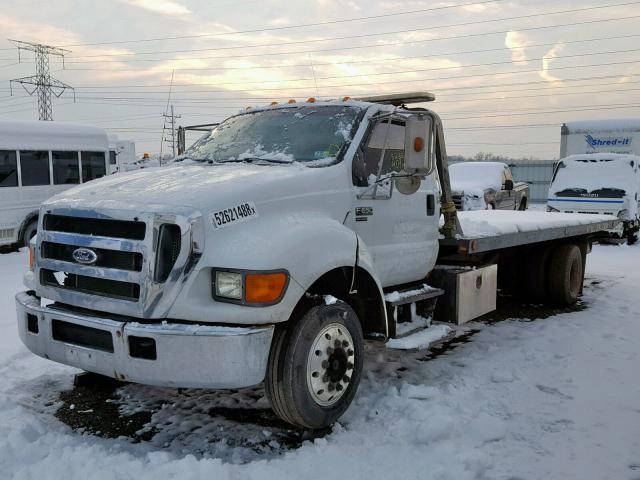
{"x":330,"y":364}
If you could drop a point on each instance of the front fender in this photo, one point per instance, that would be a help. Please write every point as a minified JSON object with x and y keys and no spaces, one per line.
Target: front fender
{"x":306,"y":246}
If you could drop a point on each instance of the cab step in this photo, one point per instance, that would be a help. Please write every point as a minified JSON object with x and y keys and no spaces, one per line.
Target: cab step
{"x":410,"y":309}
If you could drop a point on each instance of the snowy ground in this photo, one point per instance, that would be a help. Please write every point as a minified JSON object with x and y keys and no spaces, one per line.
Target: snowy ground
{"x":552,"y":398}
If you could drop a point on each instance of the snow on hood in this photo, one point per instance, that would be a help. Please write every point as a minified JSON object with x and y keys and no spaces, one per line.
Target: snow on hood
{"x":194,"y":186}
{"x":594,"y":171}
{"x":474,"y":177}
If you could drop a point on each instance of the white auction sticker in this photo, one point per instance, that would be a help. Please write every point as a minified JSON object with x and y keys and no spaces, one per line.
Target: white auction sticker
{"x":239,"y":213}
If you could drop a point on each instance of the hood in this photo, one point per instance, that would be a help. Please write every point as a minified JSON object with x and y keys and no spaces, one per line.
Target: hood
{"x":197,"y":187}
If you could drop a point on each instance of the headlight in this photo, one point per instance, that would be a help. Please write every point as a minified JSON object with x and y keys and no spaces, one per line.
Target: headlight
{"x":228,"y":285}
{"x":551,"y":209}
{"x":250,"y":288}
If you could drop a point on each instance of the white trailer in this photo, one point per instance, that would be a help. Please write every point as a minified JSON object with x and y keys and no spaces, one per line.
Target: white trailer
{"x":38,"y":160}
{"x":273,"y":248}
{"x":122,"y":155}
{"x":600,"y":136}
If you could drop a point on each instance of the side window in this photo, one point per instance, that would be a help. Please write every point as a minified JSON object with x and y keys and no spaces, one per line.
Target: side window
{"x":66,"y":169}
{"x":93,"y":165}
{"x":365,"y":165}
{"x":34,"y":166}
{"x":8,"y":169}
{"x":507,"y":174}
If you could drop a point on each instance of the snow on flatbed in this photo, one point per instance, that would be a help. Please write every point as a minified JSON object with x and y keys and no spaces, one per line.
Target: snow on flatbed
{"x":556,"y":398}
{"x":487,"y":223}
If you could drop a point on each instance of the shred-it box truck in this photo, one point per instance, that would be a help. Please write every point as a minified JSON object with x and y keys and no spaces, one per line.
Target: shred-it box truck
{"x":599,"y":173}
{"x":264,"y":254}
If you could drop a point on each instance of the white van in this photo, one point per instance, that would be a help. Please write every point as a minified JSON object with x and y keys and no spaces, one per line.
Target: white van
{"x":38,"y":160}
{"x":122,"y":155}
{"x":601,"y":183}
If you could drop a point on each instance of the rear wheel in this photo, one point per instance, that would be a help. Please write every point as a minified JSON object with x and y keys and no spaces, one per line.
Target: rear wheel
{"x":565,"y":274}
{"x":28,"y":232}
{"x":315,"y":365}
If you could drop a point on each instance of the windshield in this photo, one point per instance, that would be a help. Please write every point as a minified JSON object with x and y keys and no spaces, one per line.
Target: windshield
{"x":310,"y":134}
{"x":604,"y":178}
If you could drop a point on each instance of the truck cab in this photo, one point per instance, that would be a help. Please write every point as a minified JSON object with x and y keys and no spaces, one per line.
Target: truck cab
{"x":190,"y":284}
{"x":599,"y":183}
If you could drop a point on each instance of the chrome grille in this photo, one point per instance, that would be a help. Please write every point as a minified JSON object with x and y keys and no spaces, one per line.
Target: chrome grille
{"x":108,"y":260}
{"x":101,"y":227}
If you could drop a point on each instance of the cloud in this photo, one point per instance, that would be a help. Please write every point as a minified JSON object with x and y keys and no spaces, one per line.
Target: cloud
{"x":164,"y":7}
{"x":516,"y":42}
{"x":546,"y":63}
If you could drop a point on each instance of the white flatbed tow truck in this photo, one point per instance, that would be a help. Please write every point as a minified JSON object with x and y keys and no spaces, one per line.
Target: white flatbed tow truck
{"x":269,"y":252}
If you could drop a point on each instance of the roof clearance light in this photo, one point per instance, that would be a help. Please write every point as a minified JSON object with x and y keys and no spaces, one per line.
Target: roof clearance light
{"x":311,"y":100}
{"x":291,"y":101}
{"x":273,"y":103}
{"x":346,"y":99}
{"x":248,"y":108}
{"x":418,"y":144}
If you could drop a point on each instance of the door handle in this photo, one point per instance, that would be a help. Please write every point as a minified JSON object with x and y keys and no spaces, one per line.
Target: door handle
{"x":431,"y":204}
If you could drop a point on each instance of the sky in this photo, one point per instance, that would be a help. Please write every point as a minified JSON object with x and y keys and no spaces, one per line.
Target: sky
{"x":506,"y":74}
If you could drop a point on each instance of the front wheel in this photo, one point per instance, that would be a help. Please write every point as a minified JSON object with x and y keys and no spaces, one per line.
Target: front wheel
{"x":315,"y":365}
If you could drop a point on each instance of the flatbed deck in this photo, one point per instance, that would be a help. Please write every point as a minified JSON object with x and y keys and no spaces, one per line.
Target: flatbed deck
{"x":490,"y":230}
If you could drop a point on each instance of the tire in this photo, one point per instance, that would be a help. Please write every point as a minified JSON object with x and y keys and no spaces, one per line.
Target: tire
{"x":632,"y":238}
{"x":535,"y":279}
{"x":565,"y":275}
{"x":299,"y":384}
{"x":28,"y":232}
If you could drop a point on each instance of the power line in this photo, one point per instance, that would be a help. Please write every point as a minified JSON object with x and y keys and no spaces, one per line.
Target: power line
{"x":627,"y":62}
{"x":460,"y":24}
{"x":285,"y":27}
{"x":394,"y":59}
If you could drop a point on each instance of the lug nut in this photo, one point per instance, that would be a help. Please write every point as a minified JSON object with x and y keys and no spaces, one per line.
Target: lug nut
{"x":325,"y":364}
{"x":339,"y":387}
{"x":346,"y":379}
{"x":349,"y":366}
{"x":350,"y":352}
{"x":345,"y":344}
{"x":325,"y":378}
{"x":337,"y":343}
{"x":331,"y":387}
{"x":329,"y":351}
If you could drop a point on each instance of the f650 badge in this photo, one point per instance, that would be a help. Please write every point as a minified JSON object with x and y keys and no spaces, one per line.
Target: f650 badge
{"x":85,"y":256}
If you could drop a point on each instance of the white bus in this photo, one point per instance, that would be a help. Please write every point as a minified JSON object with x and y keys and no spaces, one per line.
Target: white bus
{"x":38,"y":160}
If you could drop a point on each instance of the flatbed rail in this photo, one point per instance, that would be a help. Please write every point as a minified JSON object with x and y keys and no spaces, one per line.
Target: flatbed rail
{"x":488,"y":242}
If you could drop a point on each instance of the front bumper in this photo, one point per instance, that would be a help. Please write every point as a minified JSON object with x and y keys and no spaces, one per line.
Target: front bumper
{"x":188,"y":356}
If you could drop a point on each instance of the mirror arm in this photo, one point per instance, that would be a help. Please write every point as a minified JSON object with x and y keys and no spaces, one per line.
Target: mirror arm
{"x":384,"y":150}
{"x":451,"y":226}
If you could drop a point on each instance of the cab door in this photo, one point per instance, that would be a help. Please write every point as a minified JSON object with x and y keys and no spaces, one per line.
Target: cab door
{"x":506,"y":198}
{"x":399,"y":229}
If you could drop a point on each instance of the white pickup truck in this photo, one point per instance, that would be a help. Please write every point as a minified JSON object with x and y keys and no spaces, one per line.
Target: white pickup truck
{"x":265,"y":253}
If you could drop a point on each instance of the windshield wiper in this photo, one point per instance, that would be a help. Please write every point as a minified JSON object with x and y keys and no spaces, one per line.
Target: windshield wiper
{"x":257,"y":159}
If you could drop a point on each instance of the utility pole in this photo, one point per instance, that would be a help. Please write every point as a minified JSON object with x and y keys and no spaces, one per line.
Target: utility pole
{"x":42,"y":82}
{"x":170,"y":124}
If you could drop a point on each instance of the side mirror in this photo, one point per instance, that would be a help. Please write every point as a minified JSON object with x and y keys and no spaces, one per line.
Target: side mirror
{"x":418,"y":148}
{"x":508,"y":185}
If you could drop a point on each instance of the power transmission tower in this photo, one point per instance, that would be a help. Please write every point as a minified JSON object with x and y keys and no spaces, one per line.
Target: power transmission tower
{"x":170,"y":124}
{"x":42,"y":82}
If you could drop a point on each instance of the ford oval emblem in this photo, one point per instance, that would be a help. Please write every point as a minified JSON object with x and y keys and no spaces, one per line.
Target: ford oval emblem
{"x":85,"y":256}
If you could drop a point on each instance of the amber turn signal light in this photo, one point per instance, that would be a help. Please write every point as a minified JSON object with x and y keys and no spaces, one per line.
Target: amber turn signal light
{"x":265,"y":287}
{"x":418,"y":144}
